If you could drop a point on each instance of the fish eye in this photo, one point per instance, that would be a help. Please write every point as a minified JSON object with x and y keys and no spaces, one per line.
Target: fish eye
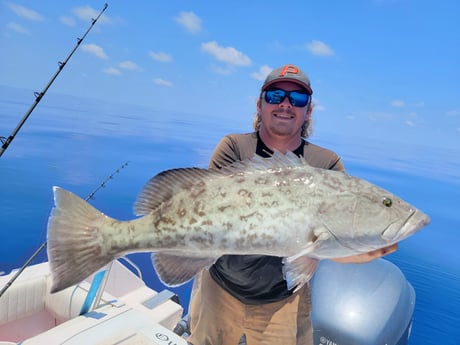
{"x":387,"y":202}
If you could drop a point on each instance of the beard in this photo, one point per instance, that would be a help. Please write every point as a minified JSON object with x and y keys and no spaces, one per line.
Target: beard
{"x":281,"y":128}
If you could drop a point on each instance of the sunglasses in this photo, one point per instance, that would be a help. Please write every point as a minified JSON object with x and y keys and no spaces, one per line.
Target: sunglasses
{"x":296,"y":98}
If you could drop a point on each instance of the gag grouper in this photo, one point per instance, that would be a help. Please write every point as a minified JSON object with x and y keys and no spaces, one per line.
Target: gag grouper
{"x":278,"y":206}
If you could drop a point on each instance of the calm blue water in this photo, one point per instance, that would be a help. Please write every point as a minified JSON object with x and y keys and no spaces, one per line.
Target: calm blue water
{"x":77,"y":144}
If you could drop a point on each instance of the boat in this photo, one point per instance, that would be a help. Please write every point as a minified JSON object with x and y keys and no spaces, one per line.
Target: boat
{"x":353,"y":304}
{"x":128,"y":311}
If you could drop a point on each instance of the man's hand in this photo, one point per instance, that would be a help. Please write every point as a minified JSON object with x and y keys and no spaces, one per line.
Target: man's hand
{"x":367,"y":257}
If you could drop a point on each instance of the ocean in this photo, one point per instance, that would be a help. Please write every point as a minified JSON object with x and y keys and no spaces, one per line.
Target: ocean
{"x":79,"y":143}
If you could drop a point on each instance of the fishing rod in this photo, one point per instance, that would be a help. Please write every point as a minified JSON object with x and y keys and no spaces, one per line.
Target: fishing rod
{"x":43,"y":246}
{"x":39,"y":95}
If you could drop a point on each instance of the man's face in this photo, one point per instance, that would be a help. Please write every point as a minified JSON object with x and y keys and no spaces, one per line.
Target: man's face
{"x":282,"y":119}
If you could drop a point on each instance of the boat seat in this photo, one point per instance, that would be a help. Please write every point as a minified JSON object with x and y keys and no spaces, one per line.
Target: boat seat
{"x":27,"y":308}
{"x":22,"y":299}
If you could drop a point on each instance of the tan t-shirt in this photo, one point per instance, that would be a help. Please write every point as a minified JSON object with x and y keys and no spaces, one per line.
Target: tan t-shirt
{"x":237,"y":147}
{"x":257,"y":279}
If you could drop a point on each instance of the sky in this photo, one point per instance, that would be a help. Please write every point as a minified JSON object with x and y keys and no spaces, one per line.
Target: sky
{"x":384,"y":69}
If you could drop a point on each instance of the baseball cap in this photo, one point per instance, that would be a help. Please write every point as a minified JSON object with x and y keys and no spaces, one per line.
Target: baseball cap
{"x":288,"y":73}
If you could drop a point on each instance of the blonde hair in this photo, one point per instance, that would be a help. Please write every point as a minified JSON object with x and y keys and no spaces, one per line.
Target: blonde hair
{"x":307,"y":127}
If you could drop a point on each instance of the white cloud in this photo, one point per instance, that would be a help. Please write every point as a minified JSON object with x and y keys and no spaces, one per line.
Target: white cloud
{"x":277,"y":46}
{"x":319,"y":107}
{"x":162,"y":82}
{"x":453,"y":113}
{"x":112,"y":71}
{"x":160,"y":56}
{"x":69,"y":21}
{"x":25,"y":12}
{"x":129,"y":65}
{"x":412,"y":117}
{"x":380,"y":116}
{"x":319,"y":48}
{"x":18,"y":28}
{"x":190,"y":21}
{"x":397,"y":103}
{"x":262,"y":73}
{"x":226,"y":54}
{"x":222,"y":70}
{"x":88,"y":13}
{"x":95,"y":50}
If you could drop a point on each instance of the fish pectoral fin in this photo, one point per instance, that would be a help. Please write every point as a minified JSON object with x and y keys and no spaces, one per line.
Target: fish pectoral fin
{"x":175,"y":269}
{"x":297,"y":270}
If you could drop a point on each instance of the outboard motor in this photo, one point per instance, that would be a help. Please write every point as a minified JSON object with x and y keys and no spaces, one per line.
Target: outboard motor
{"x":361,"y":304}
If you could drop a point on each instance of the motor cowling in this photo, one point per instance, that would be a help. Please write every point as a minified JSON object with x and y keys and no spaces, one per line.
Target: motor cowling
{"x":361,"y":304}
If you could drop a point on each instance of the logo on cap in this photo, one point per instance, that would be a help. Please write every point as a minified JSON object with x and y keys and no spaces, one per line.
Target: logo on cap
{"x":289,"y":69}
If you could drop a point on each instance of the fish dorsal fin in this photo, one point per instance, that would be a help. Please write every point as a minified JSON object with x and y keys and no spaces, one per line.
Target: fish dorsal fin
{"x":164,"y":185}
{"x":257,"y":163}
{"x":289,"y":159}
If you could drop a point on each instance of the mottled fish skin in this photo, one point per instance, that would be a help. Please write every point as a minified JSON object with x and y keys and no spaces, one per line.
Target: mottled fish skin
{"x":276,"y":206}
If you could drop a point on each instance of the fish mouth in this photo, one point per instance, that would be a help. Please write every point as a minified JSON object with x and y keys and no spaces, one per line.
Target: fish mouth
{"x":414,"y":222}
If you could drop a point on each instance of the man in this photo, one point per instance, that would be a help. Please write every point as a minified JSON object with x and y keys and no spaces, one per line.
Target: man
{"x":247,"y":294}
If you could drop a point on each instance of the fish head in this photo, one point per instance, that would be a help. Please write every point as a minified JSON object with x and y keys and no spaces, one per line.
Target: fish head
{"x":381,"y":218}
{"x":409,"y":221}
{"x":365,"y":217}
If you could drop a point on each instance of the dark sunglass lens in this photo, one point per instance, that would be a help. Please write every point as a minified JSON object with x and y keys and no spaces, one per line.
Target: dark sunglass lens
{"x":298,"y":99}
{"x":275,"y":96}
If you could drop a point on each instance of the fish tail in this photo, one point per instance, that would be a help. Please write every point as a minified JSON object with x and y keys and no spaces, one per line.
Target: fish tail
{"x":76,"y":248}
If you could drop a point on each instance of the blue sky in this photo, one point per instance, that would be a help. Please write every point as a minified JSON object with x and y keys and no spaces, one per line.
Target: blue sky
{"x":385,"y":69}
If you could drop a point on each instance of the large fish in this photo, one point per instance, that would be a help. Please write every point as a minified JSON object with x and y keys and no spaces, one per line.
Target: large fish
{"x":277,"y":206}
